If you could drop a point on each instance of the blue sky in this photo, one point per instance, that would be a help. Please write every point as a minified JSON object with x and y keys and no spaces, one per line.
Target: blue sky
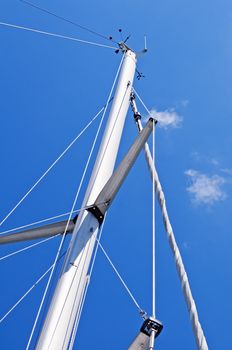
{"x":50,"y":88}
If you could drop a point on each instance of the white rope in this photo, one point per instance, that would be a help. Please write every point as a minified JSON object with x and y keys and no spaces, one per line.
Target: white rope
{"x":27,"y":248}
{"x":153,"y":232}
{"x":121,"y":279}
{"x":24,"y":295}
{"x":57,"y":35}
{"x":73,"y":206}
{"x":51,"y":166}
{"x":197,"y":329}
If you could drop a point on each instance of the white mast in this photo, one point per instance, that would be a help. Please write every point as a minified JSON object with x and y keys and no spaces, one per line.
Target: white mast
{"x":66,"y":302}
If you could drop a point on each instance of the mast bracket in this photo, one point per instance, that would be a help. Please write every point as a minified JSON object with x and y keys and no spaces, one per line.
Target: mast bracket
{"x":97,"y":213}
{"x":137,"y":115}
{"x":151,"y":324}
{"x":123,"y":47}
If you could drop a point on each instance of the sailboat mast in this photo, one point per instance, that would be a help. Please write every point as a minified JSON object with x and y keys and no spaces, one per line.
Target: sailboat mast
{"x":67,"y":300}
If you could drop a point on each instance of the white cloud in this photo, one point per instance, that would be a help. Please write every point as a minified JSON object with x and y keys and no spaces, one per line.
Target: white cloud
{"x":214,"y":161}
{"x":204,"y":159}
{"x":167,"y":118}
{"x":227,"y":171}
{"x":205,"y":189}
{"x":184,"y":103}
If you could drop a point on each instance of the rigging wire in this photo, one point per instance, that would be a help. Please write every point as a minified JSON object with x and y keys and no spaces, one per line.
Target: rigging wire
{"x":38,"y":222}
{"x":47,"y":219}
{"x":27,"y":247}
{"x":142,"y":102}
{"x":74,"y":203}
{"x":27,"y":292}
{"x":192,"y":309}
{"x":153,"y":232}
{"x":141,"y":311}
{"x":56,"y":35}
{"x":67,"y":20}
{"x":51,"y":166}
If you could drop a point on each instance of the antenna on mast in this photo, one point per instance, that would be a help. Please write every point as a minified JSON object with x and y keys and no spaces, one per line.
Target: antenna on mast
{"x":142,"y":52}
{"x":145,"y":43}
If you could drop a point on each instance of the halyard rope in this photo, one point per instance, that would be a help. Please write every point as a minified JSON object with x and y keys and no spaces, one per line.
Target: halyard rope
{"x":197,"y":329}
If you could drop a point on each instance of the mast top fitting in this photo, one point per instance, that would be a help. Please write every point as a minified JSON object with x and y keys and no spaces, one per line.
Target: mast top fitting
{"x":123,"y":47}
{"x":151,"y":324}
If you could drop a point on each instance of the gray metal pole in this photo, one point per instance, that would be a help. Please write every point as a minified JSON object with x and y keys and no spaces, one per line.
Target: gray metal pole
{"x":38,"y":232}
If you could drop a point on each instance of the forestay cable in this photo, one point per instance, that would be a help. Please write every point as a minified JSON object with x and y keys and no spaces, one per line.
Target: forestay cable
{"x":197,"y":329}
{"x":66,"y":20}
{"x":57,"y":35}
{"x":51,"y":166}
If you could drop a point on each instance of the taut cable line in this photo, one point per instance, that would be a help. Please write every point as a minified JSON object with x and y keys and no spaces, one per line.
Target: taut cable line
{"x":141,"y":311}
{"x":52,"y":165}
{"x":67,"y":20}
{"x":26,"y":248}
{"x":56,"y":35}
{"x":28,"y":291}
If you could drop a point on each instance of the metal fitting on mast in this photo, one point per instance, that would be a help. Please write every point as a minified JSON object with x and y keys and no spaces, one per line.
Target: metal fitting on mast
{"x":137,"y":115}
{"x":145,"y":339}
{"x":123,"y":47}
{"x":151,"y":324}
